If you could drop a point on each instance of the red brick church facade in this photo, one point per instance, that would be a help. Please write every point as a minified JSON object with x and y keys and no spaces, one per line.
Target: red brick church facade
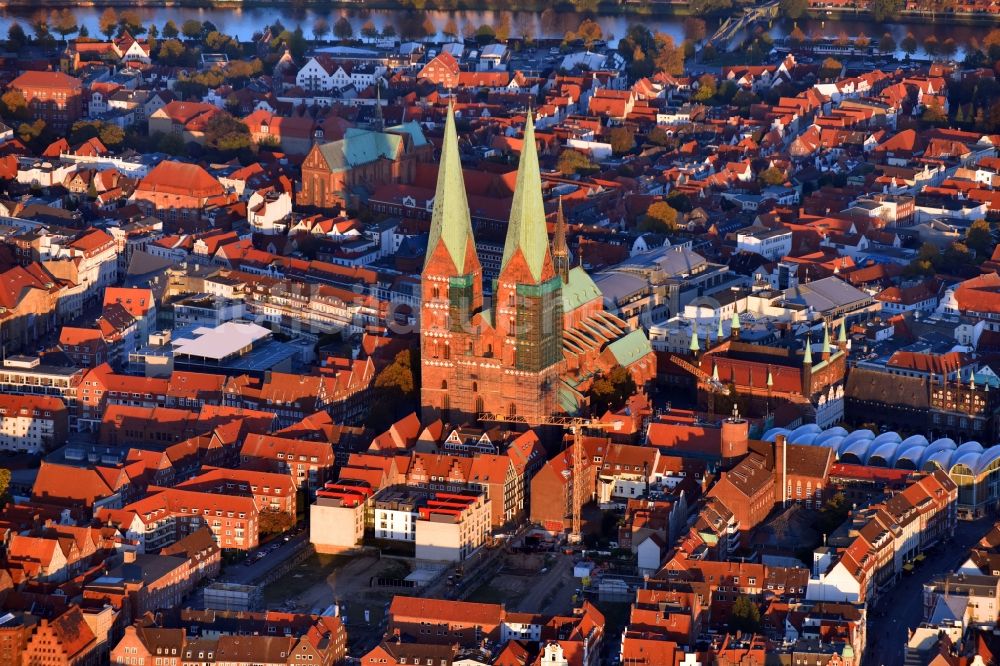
{"x":510,"y":356}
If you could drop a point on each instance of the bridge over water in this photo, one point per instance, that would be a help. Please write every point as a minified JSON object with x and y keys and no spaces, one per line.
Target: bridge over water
{"x":725,"y":38}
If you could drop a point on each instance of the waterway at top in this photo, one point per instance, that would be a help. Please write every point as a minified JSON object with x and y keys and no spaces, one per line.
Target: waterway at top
{"x":243,"y":22}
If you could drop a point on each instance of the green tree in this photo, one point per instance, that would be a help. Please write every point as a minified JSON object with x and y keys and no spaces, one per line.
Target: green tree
{"x":107,"y":23}
{"x":745,"y":616}
{"x":659,"y":218}
{"x":658,"y":136}
{"x":342,"y":29}
{"x":887,"y":44}
{"x":170,"y":30}
{"x":706,"y":88}
{"x":17,"y":39}
{"x":622,"y":140}
{"x":931,"y":45}
{"x":172,"y":52}
{"x":772,"y":176}
{"x":572,"y":162}
{"x":321,"y":28}
{"x":395,"y":390}
{"x":611,"y":391}
{"x":979,"y":239}
{"x":192,"y":29}
{"x":885,"y":10}
{"x":4,"y":484}
{"x":794,"y":9}
{"x":833,"y":514}
{"x":226,"y":134}
{"x":909,"y":44}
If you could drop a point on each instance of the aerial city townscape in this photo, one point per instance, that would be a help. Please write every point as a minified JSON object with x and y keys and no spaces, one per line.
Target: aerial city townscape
{"x":487,"y":333}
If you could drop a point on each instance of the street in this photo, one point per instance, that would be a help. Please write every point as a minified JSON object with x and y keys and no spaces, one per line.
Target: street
{"x":242,"y":574}
{"x":901,"y":606}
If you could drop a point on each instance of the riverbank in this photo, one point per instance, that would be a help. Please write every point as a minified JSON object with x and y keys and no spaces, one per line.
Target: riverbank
{"x":627,"y":9}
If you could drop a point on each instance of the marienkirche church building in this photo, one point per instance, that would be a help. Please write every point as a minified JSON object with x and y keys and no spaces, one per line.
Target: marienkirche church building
{"x":535,"y":349}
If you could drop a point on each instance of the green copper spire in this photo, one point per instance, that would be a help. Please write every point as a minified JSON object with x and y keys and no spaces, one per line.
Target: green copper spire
{"x":450,"y":222}
{"x":719,"y":334}
{"x":842,"y":335}
{"x":826,"y":339}
{"x":526,"y":229}
{"x":695,"y":345}
{"x":807,"y":358}
{"x":736,"y":321}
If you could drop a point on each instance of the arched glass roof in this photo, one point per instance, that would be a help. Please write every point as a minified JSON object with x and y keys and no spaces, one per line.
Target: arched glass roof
{"x":890,"y":449}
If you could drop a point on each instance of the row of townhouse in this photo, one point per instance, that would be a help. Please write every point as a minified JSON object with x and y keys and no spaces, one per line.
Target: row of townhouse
{"x":885,"y":539}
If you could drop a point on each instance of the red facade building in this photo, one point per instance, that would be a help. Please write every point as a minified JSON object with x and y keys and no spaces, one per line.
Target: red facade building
{"x":54,"y":97}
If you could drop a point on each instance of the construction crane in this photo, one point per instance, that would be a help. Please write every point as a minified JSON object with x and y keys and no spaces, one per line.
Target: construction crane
{"x":576,"y":425}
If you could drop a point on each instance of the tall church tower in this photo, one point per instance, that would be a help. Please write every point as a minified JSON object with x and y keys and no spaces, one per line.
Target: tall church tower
{"x":451,"y":287}
{"x":527,"y":297}
{"x":507,"y":358}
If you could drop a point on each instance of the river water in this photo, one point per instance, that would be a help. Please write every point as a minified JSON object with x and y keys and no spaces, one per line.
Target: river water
{"x":243,"y":22}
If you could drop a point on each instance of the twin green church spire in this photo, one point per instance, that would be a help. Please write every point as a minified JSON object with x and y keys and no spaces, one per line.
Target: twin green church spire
{"x":450,"y":220}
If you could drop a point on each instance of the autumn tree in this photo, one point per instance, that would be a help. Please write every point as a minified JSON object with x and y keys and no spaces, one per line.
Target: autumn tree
{"x":659,"y":218}
{"x":909,"y":44}
{"x":321,"y":28}
{"x":342,"y":29}
{"x":64,"y":22}
{"x":862,"y":41}
{"x":622,"y":140}
{"x":796,"y":35}
{"x":272,"y":521}
{"x":887,"y":44}
{"x":369,"y":30}
{"x":706,"y":88}
{"x":450,"y":28}
{"x":934,"y":113}
{"x":772,"y":176}
{"x":658,"y":136}
{"x":948,"y":47}
{"x":589,"y":31}
{"x":694,"y":29}
{"x":669,"y":57}
{"x":131,"y":21}
{"x":14,"y":106}
{"x":107,"y":23}
{"x":572,"y":162}
{"x":830,"y":68}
